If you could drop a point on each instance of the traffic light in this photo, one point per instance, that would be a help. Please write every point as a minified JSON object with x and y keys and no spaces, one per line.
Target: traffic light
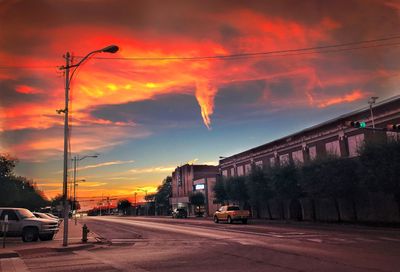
{"x":393,"y":127}
{"x":356,"y":124}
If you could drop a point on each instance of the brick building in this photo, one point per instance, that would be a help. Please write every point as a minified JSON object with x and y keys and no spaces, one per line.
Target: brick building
{"x":190,"y":178}
{"x":332,"y":136}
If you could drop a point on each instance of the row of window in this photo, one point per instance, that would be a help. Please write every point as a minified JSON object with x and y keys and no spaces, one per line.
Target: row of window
{"x":333,"y":147}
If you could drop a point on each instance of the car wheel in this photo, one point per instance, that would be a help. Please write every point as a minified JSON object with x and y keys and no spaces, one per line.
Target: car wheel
{"x":46,"y":237}
{"x":244,"y":221}
{"x":230,"y":221}
{"x":30,"y":235}
{"x":216,"y":219}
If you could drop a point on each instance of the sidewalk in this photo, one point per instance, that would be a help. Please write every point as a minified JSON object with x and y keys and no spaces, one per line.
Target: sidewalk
{"x":10,"y":257}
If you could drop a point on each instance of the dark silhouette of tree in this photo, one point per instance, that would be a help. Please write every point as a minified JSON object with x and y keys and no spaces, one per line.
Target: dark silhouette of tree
{"x":219,"y":190}
{"x":7,"y":165}
{"x":164,"y":192}
{"x":236,"y":190}
{"x":16,"y":191}
{"x":380,"y":168}
{"x":259,"y":188}
{"x":124,"y":205}
{"x":285,"y":182}
{"x":197,"y":199}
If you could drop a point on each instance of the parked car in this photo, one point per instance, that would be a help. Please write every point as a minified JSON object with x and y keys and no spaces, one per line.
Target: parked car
{"x":231,"y":213}
{"x":55,"y":217}
{"x":23,"y":223}
{"x":47,"y":216}
{"x":179,"y":213}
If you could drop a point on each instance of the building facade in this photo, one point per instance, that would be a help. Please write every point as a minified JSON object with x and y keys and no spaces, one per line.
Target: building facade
{"x":189,"y":178}
{"x":331,"y":137}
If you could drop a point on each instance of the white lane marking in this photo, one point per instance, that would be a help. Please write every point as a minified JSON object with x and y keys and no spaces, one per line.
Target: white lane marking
{"x":158,"y":226}
{"x":390,"y":239}
{"x":190,"y":229}
{"x":315,"y":240}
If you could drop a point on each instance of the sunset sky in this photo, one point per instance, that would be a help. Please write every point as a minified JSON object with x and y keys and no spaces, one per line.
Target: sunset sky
{"x":153,"y":106}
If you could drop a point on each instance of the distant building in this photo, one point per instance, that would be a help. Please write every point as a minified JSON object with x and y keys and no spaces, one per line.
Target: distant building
{"x":330,"y":137}
{"x":189,"y":178}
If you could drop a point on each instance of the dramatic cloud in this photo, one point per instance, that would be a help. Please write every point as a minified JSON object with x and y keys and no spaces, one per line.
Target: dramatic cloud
{"x":169,"y":73}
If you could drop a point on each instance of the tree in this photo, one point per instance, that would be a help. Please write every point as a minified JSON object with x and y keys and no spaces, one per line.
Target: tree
{"x":219,"y":190}
{"x":7,"y":165}
{"x":285,"y":182}
{"x":18,"y":191}
{"x":197,"y":199}
{"x":380,"y":168}
{"x":258,"y":185}
{"x":124,"y":205}
{"x":164,"y":193}
{"x":58,"y":200}
{"x":236,"y":190}
{"x":332,"y":177}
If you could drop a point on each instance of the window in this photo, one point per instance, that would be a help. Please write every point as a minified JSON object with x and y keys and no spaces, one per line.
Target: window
{"x":355,"y":142}
{"x":272,"y":162}
{"x":247,"y":168}
{"x":284,"y":159}
{"x":259,"y":164}
{"x":240,"y":171}
{"x":225,"y":173}
{"x":298,"y":156}
{"x":232,"y":171}
{"x":312,"y":151}
{"x":11,"y":215}
{"x":233,"y":208}
{"x":333,"y":148}
{"x":393,"y":136}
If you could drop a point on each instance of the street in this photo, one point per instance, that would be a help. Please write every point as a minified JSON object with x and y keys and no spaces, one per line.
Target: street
{"x":165,"y":244}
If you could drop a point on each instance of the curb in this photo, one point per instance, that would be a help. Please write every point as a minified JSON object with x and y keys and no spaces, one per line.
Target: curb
{"x":73,"y":248}
{"x":7,"y":255}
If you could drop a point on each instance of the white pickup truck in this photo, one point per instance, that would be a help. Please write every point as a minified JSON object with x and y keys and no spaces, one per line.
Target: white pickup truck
{"x":22,"y":223}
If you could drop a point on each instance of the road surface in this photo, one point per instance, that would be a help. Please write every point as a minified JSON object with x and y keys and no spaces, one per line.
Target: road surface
{"x":165,"y":244}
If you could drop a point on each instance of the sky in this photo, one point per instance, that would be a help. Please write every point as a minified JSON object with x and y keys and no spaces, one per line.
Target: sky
{"x":192,"y":81}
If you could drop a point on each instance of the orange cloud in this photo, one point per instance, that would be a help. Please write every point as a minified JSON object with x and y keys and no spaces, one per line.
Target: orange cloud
{"x":205,"y":94}
{"x":101,"y":82}
{"x":353,"y":96}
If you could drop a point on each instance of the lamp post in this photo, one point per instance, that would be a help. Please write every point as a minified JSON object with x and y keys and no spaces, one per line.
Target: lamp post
{"x":74,"y":207}
{"x":372,"y":101}
{"x":68,"y":78}
{"x":76,"y":160}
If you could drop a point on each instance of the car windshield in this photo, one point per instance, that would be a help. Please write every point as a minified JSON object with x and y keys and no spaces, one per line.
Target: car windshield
{"x":233,"y":208}
{"x":42,"y":215}
{"x":26,"y":214}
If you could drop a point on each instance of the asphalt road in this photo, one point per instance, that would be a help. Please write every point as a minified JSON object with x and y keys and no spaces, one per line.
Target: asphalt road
{"x":165,"y":244}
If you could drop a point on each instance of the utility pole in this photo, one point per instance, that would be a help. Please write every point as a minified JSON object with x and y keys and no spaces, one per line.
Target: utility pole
{"x":109,"y":49}
{"x":66,"y":140}
{"x":372,"y":101}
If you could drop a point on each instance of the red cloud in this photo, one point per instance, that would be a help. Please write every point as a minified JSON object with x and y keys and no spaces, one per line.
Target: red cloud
{"x":99,"y":82}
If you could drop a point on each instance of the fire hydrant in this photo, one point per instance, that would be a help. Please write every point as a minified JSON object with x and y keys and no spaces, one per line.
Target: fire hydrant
{"x":85,"y":232}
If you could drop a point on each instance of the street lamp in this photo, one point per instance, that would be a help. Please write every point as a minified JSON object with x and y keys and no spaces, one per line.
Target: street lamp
{"x":74,"y":207}
{"x":77,"y":159}
{"x":372,"y":101}
{"x":68,"y":78}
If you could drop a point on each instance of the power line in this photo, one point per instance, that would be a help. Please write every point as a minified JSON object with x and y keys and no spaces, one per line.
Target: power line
{"x":277,"y":53}
{"x":287,"y":52}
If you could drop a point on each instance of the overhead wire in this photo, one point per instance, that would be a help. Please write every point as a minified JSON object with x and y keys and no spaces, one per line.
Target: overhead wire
{"x":340,"y":47}
{"x":286,"y":52}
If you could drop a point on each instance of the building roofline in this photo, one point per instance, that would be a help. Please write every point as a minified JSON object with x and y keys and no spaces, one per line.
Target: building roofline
{"x":340,"y":117}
